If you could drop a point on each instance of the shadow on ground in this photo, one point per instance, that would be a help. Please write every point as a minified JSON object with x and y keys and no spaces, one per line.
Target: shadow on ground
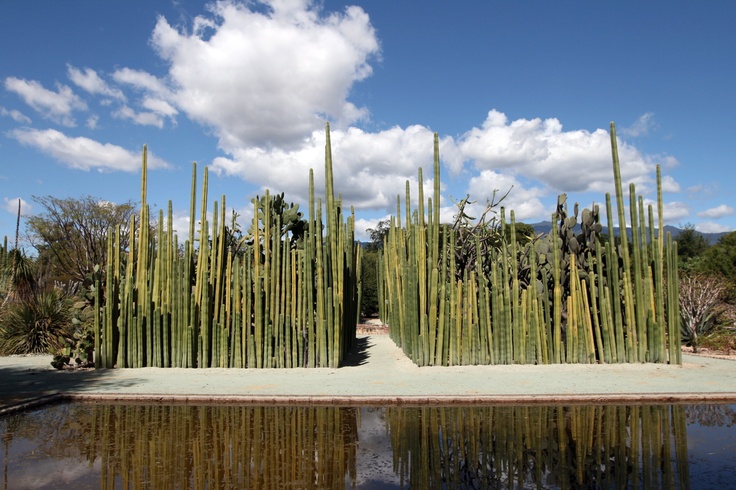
{"x":22,"y":385}
{"x":359,"y":354}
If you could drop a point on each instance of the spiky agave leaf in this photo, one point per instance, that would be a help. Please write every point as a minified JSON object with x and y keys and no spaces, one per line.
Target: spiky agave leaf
{"x":38,"y":325}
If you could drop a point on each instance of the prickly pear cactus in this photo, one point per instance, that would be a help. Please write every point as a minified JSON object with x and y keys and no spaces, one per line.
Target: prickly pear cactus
{"x":282,"y":218}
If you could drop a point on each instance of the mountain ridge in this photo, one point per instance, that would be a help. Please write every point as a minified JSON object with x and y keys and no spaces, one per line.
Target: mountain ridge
{"x":712,"y":238}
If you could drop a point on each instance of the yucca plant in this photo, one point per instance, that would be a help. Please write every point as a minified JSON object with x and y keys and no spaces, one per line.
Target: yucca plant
{"x":17,"y":276}
{"x":37,"y":325}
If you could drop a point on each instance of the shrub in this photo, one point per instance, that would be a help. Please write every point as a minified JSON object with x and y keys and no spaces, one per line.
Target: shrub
{"x":720,"y":339}
{"x":78,"y":348}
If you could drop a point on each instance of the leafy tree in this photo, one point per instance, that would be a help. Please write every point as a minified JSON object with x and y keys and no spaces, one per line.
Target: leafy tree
{"x":369,"y":282}
{"x":70,"y":234}
{"x":369,"y":268}
{"x":524,"y":233}
{"x":690,"y":247}
{"x":378,"y":233}
{"x":721,"y":257}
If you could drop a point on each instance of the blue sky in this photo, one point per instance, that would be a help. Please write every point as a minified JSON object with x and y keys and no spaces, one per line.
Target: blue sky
{"x":521,"y":94}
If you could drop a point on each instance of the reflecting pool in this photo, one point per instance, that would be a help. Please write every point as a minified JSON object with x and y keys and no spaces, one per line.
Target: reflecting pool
{"x":93,"y":445}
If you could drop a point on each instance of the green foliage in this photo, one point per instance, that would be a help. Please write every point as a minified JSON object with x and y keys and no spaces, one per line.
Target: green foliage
{"x":720,"y":338}
{"x":721,"y":257}
{"x":369,"y":277}
{"x":38,"y":325}
{"x":691,"y":245}
{"x":378,"y":233}
{"x":79,"y":346}
{"x":524,"y":234}
{"x":568,"y":243}
{"x":489,"y":229}
{"x":466,"y":229}
{"x":70,"y":234}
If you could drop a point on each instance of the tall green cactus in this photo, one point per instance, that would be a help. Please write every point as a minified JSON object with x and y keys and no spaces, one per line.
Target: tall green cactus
{"x":284,"y":300}
{"x":568,"y":296}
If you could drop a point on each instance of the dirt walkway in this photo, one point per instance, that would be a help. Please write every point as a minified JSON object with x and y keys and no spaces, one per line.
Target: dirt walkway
{"x":377,"y":372}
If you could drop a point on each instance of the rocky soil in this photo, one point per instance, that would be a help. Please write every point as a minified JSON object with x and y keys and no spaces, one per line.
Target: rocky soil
{"x":704,"y":352}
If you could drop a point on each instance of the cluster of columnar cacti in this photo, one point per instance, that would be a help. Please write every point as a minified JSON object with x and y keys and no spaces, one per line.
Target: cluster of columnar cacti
{"x":563,"y":297}
{"x":284,"y":296}
{"x":533,"y":447}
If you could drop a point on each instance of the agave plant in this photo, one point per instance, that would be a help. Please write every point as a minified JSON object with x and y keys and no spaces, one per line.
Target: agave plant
{"x":37,"y":325}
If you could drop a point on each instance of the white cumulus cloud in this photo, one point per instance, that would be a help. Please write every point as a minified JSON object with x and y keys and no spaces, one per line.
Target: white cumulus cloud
{"x":83,"y":153}
{"x":717,"y":212}
{"x":710,"y":227}
{"x":142,"y":81}
{"x":564,"y":161}
{"x":159,"y":106}
{"x":370,"y":169}
{"x":641,"y":126}
{"x":57,"y":106}
{"x":11,"y":206}
{"x":90,"y":81}
{"x":267,"y":78}
{"x":15,"y":115}
{"x":674,"y":211}
{"x":140,"y":118}
{"x":525,"y":202}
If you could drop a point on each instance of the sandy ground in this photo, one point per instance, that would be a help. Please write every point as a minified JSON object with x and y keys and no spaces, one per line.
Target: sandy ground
{"x":376,"y":372}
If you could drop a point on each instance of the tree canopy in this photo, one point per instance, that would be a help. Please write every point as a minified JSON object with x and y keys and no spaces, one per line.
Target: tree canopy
{"x":690,"y":245}
{"x":378,"y":233}
{"x":721,"y":257}
{"x":70,"y":234}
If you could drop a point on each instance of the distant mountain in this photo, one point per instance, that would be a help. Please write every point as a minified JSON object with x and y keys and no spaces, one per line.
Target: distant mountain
{"x":712,"y":238}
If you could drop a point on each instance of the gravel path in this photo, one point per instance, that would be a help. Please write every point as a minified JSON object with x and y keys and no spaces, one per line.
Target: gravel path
{"x":378,"y":373}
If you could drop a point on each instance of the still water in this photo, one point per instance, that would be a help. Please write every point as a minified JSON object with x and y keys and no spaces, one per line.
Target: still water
{"x":79,"y":445}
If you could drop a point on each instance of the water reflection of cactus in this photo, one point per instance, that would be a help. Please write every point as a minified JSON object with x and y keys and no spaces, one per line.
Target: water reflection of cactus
{"x":520,"y":447}
{"x":222,"y":447}
{"x":180,"y":446}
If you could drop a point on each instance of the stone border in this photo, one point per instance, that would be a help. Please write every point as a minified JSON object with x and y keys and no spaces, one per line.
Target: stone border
{"x":376,"y":401}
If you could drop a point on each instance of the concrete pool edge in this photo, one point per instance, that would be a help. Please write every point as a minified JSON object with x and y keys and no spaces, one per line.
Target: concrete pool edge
{"x":374,"y":401}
